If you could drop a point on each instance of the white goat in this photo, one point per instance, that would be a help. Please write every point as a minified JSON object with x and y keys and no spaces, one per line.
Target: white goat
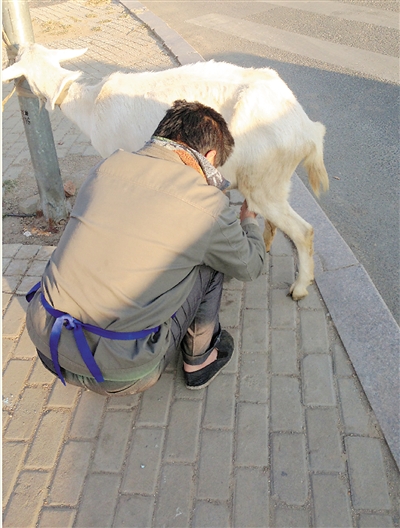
{"x":272,"y":132}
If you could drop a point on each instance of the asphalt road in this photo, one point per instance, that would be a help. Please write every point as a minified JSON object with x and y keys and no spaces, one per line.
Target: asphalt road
{"x":340,"y":58}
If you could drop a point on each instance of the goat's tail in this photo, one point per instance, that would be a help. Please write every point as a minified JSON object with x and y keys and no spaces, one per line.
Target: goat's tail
{"x":314,"y":161}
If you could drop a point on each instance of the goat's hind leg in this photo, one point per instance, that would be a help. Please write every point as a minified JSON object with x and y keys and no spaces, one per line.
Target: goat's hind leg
{"x":302,"y":234}
{"x":269,"y":234}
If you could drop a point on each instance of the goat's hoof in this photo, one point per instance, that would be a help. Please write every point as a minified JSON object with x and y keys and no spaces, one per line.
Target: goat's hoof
{"x":298,"y":291}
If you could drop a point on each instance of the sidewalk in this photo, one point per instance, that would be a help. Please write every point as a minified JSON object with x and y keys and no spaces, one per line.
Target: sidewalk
{"x":284,"y":437}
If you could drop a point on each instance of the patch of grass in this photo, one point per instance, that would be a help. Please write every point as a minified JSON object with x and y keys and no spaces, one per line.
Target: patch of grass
{"x":9,"y":185}
{"x":95,"y":28}
{"x":55,"y":27}
{"x":97,"y":2}
{"x":91,"y":15}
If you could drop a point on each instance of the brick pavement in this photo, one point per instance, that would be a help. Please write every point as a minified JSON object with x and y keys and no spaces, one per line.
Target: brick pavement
{"x":283,"y":437}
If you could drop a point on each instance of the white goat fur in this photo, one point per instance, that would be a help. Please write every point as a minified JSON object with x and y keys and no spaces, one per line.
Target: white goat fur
{"x":272,"y":132}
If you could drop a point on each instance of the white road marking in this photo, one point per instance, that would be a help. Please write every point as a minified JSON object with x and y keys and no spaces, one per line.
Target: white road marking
{"x":384,"y":67}
{"x":368,"y":15}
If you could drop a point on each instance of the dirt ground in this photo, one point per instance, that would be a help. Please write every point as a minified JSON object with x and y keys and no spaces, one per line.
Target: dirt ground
{"x":34,"y":229}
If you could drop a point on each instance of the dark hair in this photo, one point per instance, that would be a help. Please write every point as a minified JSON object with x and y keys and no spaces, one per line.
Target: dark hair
{"x":198,"y":126}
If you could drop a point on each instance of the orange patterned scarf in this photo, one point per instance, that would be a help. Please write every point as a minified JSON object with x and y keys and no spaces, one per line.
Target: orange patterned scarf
{"x":194,"y":159}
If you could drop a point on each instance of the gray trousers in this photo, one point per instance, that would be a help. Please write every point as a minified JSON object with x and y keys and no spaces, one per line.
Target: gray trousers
{"x":195,"y":330}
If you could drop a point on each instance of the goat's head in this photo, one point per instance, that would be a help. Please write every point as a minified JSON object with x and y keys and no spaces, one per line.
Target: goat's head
{"x":41,"y":67}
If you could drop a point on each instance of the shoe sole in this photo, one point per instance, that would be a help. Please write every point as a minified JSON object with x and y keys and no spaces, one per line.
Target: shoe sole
{"x":207,"y":383}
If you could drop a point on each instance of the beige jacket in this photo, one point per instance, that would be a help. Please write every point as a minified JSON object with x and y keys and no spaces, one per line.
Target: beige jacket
{"x":127,"y":260}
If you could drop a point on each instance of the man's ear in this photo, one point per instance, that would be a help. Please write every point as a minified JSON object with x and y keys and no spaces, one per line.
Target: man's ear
{"x":211,"y":154}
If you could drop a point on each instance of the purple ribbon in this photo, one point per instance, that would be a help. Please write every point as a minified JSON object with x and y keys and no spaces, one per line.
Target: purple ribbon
{"x":64,"y":320}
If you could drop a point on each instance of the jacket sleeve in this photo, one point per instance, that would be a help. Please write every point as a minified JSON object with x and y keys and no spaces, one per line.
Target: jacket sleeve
{"x":236,"y":250}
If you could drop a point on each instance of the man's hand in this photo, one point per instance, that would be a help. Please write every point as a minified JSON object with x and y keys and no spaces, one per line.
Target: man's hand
{"x":245,"y":213}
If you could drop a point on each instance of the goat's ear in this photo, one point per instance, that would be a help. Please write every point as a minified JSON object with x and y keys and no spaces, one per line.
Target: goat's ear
{"x":55,"y":90}
{"x":12,"y":72}
{"x":68,"y":54}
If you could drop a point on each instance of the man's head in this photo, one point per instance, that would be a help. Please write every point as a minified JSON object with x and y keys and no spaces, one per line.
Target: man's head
{"x":199,"y":127}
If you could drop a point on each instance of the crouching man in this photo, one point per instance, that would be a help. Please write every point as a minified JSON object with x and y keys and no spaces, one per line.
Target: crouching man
{"x":139,"y":268}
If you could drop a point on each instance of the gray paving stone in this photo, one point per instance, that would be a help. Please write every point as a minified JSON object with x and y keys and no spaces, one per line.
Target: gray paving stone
{"x":27,"y":252}
{"x":281,"y":245}
{"x":7,"y":346}
{"x":17,"y":268}
{"x":88,"y":415}
{"x":257,"y":293}
{"x":134,"y":510}
{"x":27,"y":414}
{"x":48,"y":440}
{"x":341,"y":361}
{"x":6,"y":298}
{"x":27,"y":498}
{"x":111,"y":447}
{"x":99,"y":500}
{"x":313,"y":301}
{"x":230,"y":308}
{"x":375,"y":521}
{"x":14,"y":378}
{"x":220,"y":403}
{"x":14,"y":317}
{"x":324,"y":440}
{"x":156,"y":401}
{"x":289,"y":471}
{"x":10,"y":250}
{"x":314,"y":335}
{"x":211,"y":514}
{"x":173,"y":509}
{"x":283,"y":310}
{"x":26,"y":284}
{"x":286,"y":408}
{"x":282,"y":271}
{"x":130,"y":401}
{"x":45,"y":252}
{"x":70,"y":473}
{"x":56,"y":518}
{"x":355,"y":408}
{"x":13,"y":455}
{"x":183,"y":431}
{"x":215,"y":465}
{"x":318,"y":386}
{"x":331,"y":501}
{"x":5,"y":263}
{"x":25,"y":348}
{"x":293,"y":518}
{"x":143,"y":462}
{"x":12,"y":172}
{"x":253,"y":385}
{"x":40,"y":375}
{"x":251,"y":498}
{"x":252,"y":435}
{"x":10,"y":284}
{"x":63,"y":396}
{"x":255,"y":331}
{"x":37,"y":268}
{"x":284,"y":352}
{"x":369,"y":489}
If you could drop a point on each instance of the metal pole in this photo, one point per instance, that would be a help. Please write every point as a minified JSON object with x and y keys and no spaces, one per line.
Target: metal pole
{"x":17,"y":25}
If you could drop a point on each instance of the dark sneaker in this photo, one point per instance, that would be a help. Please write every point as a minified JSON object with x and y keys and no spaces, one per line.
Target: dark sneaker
{"x":203,"y":377}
